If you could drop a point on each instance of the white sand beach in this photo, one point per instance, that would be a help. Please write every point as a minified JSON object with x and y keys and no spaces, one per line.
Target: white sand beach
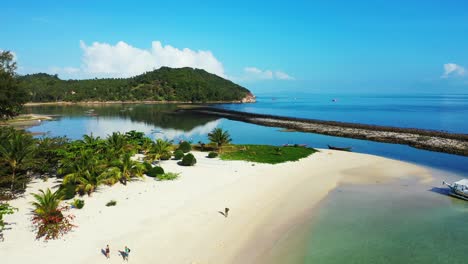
{"x":179,"y":221}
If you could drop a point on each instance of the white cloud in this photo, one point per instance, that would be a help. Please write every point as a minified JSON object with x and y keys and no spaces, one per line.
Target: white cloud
{"x":253,"y":73}
{"x":283,"y":76}
{"x":124,"y":60}
{"x":452,"y":69}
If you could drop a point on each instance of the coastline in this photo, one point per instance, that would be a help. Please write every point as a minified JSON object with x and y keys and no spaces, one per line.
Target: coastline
{"x":242,"y":101}
{"x":179,"y":222}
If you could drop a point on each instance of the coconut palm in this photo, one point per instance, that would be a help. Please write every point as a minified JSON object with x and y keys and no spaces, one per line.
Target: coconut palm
{"x":16,"y":150}
{"x":87,"y":173}
{"x":47,"y":203}
{"x":125,"y":168}
{"x":160,"y":148}
{"x":117,"y":143}
{"x":219,"y":136}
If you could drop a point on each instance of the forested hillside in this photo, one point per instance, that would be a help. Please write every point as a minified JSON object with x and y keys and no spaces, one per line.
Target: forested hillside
{"x":164,"y":84}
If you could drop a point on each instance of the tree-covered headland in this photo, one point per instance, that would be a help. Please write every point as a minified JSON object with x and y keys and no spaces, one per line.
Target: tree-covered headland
{"x":164,"y":84}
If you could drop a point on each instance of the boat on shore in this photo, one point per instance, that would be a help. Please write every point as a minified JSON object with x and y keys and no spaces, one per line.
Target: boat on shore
{"x":458,"y":189}
{"x":340,"y":148}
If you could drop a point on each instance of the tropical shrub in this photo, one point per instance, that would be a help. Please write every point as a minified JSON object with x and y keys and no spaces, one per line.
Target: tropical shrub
{"x":4,"y":210}
{"x":178,"y":154}
{"x":17,"y":150}
{"x":111,"y":203}
{"x":161,"y":148}
{"x":166,"y":156}
{"x":68,"y":191}
{"x":155,"y":171}
{"x":147,"y":166}
{"x":48,"y":217}
{"x":169,"y":176}
{"x":78,"y":203}
{"x":188,"y":160}
{"x":185,"y":146}
{"x":212,"y":155}
{"x":219,"y":136}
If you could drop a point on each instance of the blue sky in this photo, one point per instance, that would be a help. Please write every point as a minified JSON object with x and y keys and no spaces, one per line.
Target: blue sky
{"x":265,"y":45}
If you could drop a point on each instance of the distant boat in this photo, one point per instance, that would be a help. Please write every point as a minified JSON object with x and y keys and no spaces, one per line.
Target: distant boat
{"x":340,"y":148}
{"x":458,"y":189}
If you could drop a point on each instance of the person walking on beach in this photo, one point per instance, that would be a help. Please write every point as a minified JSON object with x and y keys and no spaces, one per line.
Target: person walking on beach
{"x":126,"y":253}
{"x":107,"y":252}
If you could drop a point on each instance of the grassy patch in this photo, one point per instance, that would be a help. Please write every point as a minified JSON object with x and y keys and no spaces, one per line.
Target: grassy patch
{"x":265,"y":153}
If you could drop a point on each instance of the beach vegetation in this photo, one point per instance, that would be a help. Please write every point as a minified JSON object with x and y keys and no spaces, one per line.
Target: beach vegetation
{"x":266,"y":153}
{"x":111,"y":203}
{"x":155,"y":171}
{"x":178,"y":154}
{"x":161,"y":148}
{"x":78,"y":203}
{"x":168,"y":176}
{"x":220,"y":137}
{"x":5,"y":209}
{"x":188,"y":160}
{"x":17,"y":154}
{"x":212,"y":154}
{"x":185,"y":146}
{"x":48,"y":215}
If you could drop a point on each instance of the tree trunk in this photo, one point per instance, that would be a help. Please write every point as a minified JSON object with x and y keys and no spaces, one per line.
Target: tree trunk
{"x":13,"y":175}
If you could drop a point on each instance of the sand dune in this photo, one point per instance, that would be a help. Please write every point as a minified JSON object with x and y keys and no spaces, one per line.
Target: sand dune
{"x":179,"y":221}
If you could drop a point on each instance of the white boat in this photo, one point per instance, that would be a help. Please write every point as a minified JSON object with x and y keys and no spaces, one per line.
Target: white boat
{"x":459,"y":189}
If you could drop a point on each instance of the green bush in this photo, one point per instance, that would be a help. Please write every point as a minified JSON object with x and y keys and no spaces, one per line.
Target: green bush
{"x":155,"y":171}
{"x":185,"y":146}
{"x":212,"y":155}
{"x":166,"y":156}
{"x":111,"y":203}
{"x":188,"y":160}
{"x":178,"y":154}
{"x":78,"y":203}
{"x":169,"y":176}
{"x":148,"y":166}
{"x":68,"y":191}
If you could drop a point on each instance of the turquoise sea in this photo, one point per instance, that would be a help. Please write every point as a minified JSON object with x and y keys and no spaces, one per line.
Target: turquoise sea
{"x":403,"y":222}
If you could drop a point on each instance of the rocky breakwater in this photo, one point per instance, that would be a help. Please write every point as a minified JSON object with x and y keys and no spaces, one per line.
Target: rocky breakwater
{"x":419,"y":138}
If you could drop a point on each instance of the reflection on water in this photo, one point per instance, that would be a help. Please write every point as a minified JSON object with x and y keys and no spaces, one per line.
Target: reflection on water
{"x":156,"y":121}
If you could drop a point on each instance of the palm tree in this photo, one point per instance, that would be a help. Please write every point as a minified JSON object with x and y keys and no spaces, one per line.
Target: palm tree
{"x":87,"y":173}
{"x":219,"y":136}
{"x":125,"y":168}
{"x":47,"y":203}
{"x":117,"y":142}
{"x":16,"y":150}
{"x":159,"y":149}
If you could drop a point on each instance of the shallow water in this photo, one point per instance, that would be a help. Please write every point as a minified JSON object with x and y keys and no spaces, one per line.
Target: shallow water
{"x":400,"y":222}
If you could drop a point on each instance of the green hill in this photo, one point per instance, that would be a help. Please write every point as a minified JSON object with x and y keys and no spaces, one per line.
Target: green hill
{"x":164,"y":84}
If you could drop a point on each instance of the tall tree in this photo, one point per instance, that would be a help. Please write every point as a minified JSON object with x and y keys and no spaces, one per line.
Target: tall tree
{"x":12,"y":96}
{"x":16,"y":151}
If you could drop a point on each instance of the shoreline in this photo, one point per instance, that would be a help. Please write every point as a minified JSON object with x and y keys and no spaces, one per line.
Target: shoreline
{"x":438,"y":141}
{"x":179,"y":222}
{"x":137,"y":102}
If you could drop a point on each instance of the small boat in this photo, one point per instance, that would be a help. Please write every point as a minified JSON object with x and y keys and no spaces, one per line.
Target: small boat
{"x":458,"y":189}
{"x":340,"y":148}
